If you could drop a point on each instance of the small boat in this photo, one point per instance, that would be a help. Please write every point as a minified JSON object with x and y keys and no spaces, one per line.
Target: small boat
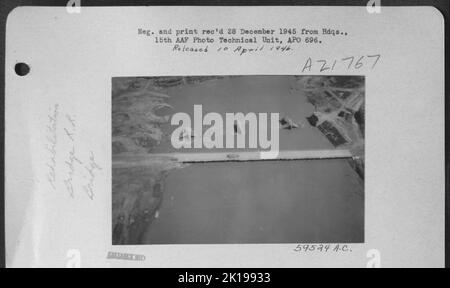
{"x":287,"y":123}
{"x":186,"y":134}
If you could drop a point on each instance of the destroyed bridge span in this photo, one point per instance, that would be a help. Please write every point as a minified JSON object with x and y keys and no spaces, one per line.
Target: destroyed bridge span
{"x":148,"y":159}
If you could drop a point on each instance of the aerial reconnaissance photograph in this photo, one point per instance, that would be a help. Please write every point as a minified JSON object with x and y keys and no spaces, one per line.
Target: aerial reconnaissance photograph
{"x":238,"y":159}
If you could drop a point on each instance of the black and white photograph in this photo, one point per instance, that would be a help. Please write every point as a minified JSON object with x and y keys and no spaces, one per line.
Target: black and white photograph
{"x":220,"y":191}
{"x":223,"y":134}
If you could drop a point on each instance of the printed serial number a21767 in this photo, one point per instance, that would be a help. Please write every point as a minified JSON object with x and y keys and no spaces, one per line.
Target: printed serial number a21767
{"x":345,"y":63}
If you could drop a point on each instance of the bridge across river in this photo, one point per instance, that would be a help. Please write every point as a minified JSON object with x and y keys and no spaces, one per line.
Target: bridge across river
{"x":149,"y":159}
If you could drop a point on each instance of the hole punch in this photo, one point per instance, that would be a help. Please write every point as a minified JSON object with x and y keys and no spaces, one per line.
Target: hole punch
{"x":22,"y":69}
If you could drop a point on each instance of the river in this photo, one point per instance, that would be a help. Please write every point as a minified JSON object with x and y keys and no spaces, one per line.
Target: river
{"x":259,"y":202}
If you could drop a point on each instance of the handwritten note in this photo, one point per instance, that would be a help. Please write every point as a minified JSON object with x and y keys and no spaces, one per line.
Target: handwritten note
{"x":323,"y":248}
{"x":91,"y":168}
{"x":51,"y":144}
{"x":345,"y":63}
{"x":77,"y":172}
